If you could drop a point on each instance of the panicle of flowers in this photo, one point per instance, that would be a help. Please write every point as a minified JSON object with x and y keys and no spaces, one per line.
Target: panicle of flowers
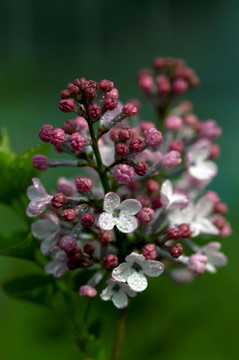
{"x":142,"y":203}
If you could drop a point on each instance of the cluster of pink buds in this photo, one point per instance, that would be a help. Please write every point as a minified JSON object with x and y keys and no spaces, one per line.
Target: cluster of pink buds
{"x":142,"y":203}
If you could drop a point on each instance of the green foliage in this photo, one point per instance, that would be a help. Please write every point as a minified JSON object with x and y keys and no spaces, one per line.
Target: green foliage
{"x":17,"y":171}
{"x":6,"y":154}
{"x":36,"y":288}
{"x":18,"y":244}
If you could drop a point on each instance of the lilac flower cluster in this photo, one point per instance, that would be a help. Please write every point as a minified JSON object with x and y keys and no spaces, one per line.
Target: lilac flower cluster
{"x":141,"y":205}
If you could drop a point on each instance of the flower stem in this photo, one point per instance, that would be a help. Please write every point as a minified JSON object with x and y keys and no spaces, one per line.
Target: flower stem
{"x":120,"y":331}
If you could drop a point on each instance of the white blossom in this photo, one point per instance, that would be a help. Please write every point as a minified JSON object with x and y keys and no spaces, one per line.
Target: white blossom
{"x":39,"y":198}
{"x":171,"y":200}
{"x":215,"y":257}
{"x":118,"y":292}
{"x":135,"y":268}
{"x":58,"y":265}
{"x":119,"y":214}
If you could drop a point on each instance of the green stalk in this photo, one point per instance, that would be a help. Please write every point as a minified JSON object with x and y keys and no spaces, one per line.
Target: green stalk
{"x":120,"y":331}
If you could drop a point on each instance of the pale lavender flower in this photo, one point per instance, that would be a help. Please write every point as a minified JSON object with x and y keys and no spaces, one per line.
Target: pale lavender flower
{"x":171,"y":200}
{"x":215,"y":257}
{"x":58,"y":265}
{"x":39,"y":198}
{"x":118,"y":292}
{"x":119,"y":214}
{"x":198,"y":166}
{"x":135,"y":268}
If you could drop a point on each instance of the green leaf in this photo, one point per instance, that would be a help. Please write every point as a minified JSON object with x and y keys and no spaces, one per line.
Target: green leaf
{"x":34,"y":288}
{"x":18,"y":244}
{"x":95,"y":328}
{"x":6,"y":153}
{"x":18,"y":174}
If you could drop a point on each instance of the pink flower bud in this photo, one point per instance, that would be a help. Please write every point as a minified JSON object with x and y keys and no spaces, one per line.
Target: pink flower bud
{"x":159,"y":63}
{"x":87,"y":291}
{"x":74,"y":89}
{"x":174,"y":233}
{"x":129,"y":110}
{"x":67,"y":187}
{"x":40,"y":162}
{"x":65,"y":94}
{"x":105,"y":237}
{"x":173,"y":123}
{"x":134,"y":186}
{"x":90,"y":93}
{"x":67,"y":105}
{"x":214,"y":151}
{"x":81,"y":124}
{"x":136,"y":144}
{"x":221,"y":208}
{"x":57,"y":137}
{"x":94,"y":111}
{"x":152,"y":186}
{"x":121,"y":149}
{"x":170,"y":160}
{"x":226,"y":230}
{"x":110,"y":261}
{"x":114,"y":134}
{"x":146,"y":125}
{"x":177,"y":145}
{"x":58,"y":200}
{"x":145,"y":215}
{"x":114,"y":92}
{"x":149,"y":252}
{"x":87,"y":220}
{"x":77,"y":141}
{"x":144,"y":200}
{"x":69,"y":126}
{"x":213,"y":196}
{"x":145,"y":82}
{"x":192,"y":121}
{"x":163,"y":84}
{"x":46,"y":132}
{"x":110,"y":102}
{"x":89,"y":249}
{"x":219,"y":222}
{"x":123,"y":174}
{"x":106,"y":85}
{"x":141,"y":168}
{"x":176,"y":251}
{"x":68,"y":244}
{"x":69,"y":215}
{"x":125,"y":134}
{"x":156,"y":202}
{"x":185,"y":230}
{"x":210,"y":130}
{"x":197,"y":263}
{"x":82,"y":83}
{"x":180,"y":86}
{"x":83,"y":184}
{"x":152,"y":137}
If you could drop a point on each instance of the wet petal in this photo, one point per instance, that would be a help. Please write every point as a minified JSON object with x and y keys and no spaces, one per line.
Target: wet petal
{"x":137,"y":281}
{"x":130,"y":207}
{"x":153,"y":268}
{"x":42,"y":229}
{"x":126,"y":224}
{"x":106,"y":293}
{"x":135,"y":257}
{"x":37,"y":206}
{"x":177,"y":201}
{"x":106,"y":221}
{"x":121,"y":272}
{"x":203,"y":170}
{"x":111,"y":202}
{"x":120,"y":299}
{"x":46,"y":246}
{"x":166,"y":192}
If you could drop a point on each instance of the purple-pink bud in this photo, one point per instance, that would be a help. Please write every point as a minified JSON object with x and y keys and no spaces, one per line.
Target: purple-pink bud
{"x":143,"y":199}
{"x":197,"y":263}
{"x":152,"y":137}
{"x":141,"y":168}
{"x":89,"y":249}
{"x":114,"y":135}
{"x":106,"y":85}
{"x":174,"y":233}
{"x":74,"y":89}
{"x":65,"y":94}
{"x":82,"y":83}
{"x":145,"y":215}
{"x":185,"y":230}
{"x":145,"y":82}
{"x":124,"y":174}
{"x":226,"y":230}
{"x":68,"y":244}
{"x":214,"y":151}
{"x":90,"y":93}
{"x":81,"y":124}
{"x":77,"y":141}
{"x":40,"y":162}
{"x":94,"y":111}
{"x":170,"y":160}
{"x":114,"y":92}
{"x":58,"y":200}
{"x":137,"y":144}
{"x":163,"y":84}
{"x":152,"y":186}
{"x":129,"y":110}
{"x":173,"y":123}
{"x":110,"y":102}
{"x":177,"y":145}
{"x":45,"y":133}
{"x":176,"y":251}
{"x":213,"y":196}
{"x":149,"y":252}
{"x":159,"y":63}
{"x":83,"y":184}
{"x":69,"y":215}
{"x":87,"y":220}
{"x":221,"y":208}
{"x":87,"y":291}
{"x":210,"y":130}
{"x":57,"y":137}
{"x":67,"y":187}
{"x":125,"y":134}
{"x":156,"y":202}
{"x":69,"y":126}
{"x":180,"y":86}
{"x":67,"y":105}
{"x":110,"y":261}
{"x":146,"y":125}
{"x":121,"y":149}
{"x":105,"y":237}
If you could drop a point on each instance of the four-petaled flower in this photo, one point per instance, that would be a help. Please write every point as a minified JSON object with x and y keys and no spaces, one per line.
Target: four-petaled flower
{"x":58,"y":265}
{"x":135,"y":268}
{"x":119,"y":214}
{"x":118,"y":292}
{"x":39,"y":198}
{"x":171,"y":200}
{"x":215,"y":257}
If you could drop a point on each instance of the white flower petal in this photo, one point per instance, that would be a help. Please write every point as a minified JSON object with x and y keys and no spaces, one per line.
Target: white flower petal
{"x":121,"y":272}
{"x":120,"y":299}
{"x":218,"y":259}
{"x":211,"y":268}
{"x":39,"y":187}
{"x":130,"y":207}
{"x":46,"y":245}
{"x":153,"y":268}
{"x":106,"y":221}
{"x":42,"y":229}
{"x":203,"y":170}
{"x":111,"y":202}
{"x":135,"y":257}
{"x":206,"y":226}
{"x":177,"y":201}
{"x":165,"y":193}
{"x":126,"y":224}
{"x":137,"y":281}
{"x":128,"y":290}
{"x":204,"y":206}
{"x":37,"y":206}
{"x":106,"y":293}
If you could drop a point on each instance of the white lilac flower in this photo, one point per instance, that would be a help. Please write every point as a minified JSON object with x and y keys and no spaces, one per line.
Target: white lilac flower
{"x":171,"y":200}
{"x":135,"y":268}
{"x":118,"y":292}
{"x":58,"y":265}
{"x":47,"y":230}
{"x":215,"y":257}
{"x":39,"y":198}
{"x":119,"y":214}
{"x":198,"y":166}
{"x":196,"y":216}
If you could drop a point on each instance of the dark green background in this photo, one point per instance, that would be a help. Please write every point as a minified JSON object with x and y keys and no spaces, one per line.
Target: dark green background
{"x":47,"y":43}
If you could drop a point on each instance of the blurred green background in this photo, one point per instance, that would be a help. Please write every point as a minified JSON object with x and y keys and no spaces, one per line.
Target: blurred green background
{"x":46,"y":44}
